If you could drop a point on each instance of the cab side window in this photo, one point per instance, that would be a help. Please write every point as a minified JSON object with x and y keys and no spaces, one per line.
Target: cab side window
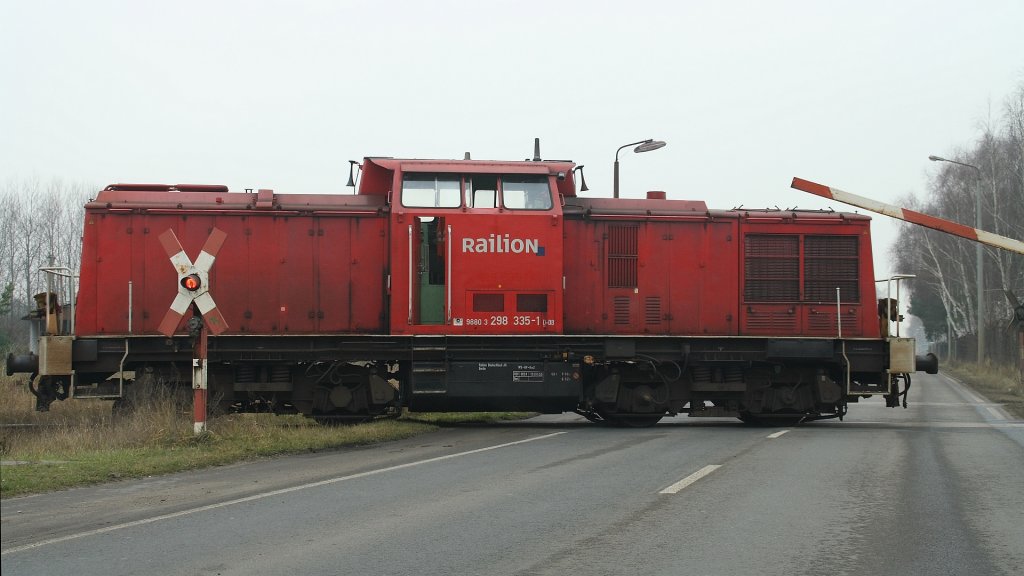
{"x":481,"y":191}
{"x":431,"y":191}
{"x":527,"y":192}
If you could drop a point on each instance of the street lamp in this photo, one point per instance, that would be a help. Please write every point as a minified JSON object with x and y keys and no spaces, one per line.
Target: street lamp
{"x":644,"y":146}
{"x":978,"y":255}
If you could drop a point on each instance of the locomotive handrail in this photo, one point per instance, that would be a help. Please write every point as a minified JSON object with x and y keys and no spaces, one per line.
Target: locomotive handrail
{"x":410,"y":274}
{"x":888,"y":294}
{"x":62,"y":272}
{"x":448,"y":276}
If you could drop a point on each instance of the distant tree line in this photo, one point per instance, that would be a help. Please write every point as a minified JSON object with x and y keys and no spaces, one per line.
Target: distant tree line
{"x":41,"y":226}
{"x":944,"y":295}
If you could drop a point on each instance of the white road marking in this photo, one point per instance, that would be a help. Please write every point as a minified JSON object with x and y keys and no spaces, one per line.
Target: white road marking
{"x":270,"y":494}
{"x":963,"y":390}
{"x":954,"y":404}
{"x":918,"y":424}
{"x":777,"y":434}
{"x":996,"y":413}
{"x":691,"y":479}
{"x":973,"y":397}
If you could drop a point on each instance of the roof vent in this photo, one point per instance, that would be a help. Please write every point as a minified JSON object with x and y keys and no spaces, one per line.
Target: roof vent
{"x":655,"y":194}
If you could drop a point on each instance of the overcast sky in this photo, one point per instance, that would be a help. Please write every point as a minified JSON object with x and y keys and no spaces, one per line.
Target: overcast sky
{"x":258,"y":94}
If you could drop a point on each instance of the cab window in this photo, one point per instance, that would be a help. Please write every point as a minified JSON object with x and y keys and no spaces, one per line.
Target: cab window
{"x":481,"y":191}
{"x":526,"y":192}
{"x":431,"y":191}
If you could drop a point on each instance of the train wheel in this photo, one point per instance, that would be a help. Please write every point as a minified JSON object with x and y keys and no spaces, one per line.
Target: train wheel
{"x":748,"y":418}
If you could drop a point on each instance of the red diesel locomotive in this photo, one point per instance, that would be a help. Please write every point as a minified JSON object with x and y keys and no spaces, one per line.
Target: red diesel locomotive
{"x":450,"y":285}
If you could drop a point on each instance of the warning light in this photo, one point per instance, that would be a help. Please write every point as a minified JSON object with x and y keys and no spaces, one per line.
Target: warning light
{"x":191,"y":282}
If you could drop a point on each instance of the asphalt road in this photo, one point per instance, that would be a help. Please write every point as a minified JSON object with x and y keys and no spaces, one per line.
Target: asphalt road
{"x":934,"y":489}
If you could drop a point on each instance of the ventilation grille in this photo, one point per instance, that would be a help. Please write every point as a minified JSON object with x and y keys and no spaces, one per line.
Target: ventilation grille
{"x":825,"y":324}
{"x":771,"y":268}
{"x":771,"y":321}
{"x":772,"y":245}
{"x":622,"y":256}
{"x":652,"y":310}
{"x":620,"y":305}
{"x":830,"y":262}
{"x":830,"y":247}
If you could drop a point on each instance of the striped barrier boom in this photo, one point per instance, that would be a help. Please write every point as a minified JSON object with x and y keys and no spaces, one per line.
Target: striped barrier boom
{"x":907,"y":215}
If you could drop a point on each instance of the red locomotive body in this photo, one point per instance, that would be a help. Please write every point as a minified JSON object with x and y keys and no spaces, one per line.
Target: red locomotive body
{"x":674,"y":267}
{"x":475,"y":285}
{"x":287,"y":267}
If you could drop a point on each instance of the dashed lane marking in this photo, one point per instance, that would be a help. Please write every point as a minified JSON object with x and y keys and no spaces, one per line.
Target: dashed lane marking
{"x":691,"y":479}
{"x":996,"y":413}
{"x":777,"y":434}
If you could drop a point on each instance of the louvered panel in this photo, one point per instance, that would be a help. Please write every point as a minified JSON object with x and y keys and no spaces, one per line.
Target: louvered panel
{"x":652,"y":310}
{"x":779,"y":322}
{"x":621,"y":311}
{"x":772,"y":290}
{"x":622,"y":245}
{"x":830,"y":246}
{"x":772,"y":245}
{"x":831,"y":262}
{"x":622,"y":240}
{"x":621,"y":272}
{"x":823,"y":322}
{"x":771,"y":268}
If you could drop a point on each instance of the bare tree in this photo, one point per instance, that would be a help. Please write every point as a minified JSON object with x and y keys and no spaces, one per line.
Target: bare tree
{"x":944,"y":264}
{"x":42,"y":226}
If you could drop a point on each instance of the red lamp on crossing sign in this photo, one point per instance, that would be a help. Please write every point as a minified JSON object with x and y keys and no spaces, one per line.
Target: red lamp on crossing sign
{"x":192,"y":282}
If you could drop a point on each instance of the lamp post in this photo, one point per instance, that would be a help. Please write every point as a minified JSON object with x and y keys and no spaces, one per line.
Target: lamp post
{"x":978,"y":255}
{"x":644,"y":146}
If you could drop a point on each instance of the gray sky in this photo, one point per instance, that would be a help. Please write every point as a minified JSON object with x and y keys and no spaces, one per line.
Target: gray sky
{"x":280,"y":95}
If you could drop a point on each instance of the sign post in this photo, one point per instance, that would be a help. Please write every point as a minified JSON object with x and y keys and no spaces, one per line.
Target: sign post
{"x":194,"y":292}
{"x":199,"y":380}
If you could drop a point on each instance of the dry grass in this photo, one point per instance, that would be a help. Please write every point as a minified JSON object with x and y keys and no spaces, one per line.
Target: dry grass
{"x":999,"y":383}
{"x":84,"y":425}
{"x":82,"y":442}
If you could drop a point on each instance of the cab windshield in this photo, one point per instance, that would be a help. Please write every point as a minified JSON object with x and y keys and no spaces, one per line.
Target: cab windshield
{"x":509,"y":191}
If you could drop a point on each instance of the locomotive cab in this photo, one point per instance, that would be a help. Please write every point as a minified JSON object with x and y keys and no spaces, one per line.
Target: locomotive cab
{"x":476,"y":248}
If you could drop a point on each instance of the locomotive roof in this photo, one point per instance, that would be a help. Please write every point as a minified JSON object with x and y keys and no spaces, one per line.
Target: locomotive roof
{"x":657,"y":208}
{"x":377,"y":172}
{"x":377,"y":181}
{"x":214,"y":197}
{"x":436,"y":165}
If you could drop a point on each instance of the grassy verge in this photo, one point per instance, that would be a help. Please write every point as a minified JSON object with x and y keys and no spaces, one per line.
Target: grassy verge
{"x":1000,"y":384}
{"x":80,"y":442}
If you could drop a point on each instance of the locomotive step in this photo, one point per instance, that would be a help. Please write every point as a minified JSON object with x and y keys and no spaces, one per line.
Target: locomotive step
{"x":107,"y":389}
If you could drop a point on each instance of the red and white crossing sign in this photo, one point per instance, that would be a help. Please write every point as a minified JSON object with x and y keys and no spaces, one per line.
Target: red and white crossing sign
{"x":193,"y":283}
